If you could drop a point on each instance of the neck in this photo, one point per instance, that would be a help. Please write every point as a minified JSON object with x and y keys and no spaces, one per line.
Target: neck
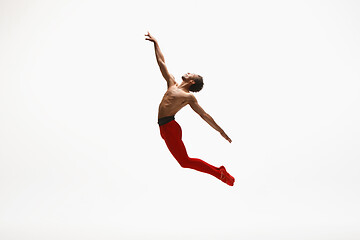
{"x":185,"y":86}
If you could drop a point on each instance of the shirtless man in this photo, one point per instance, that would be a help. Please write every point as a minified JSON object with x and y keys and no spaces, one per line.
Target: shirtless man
{"x":176,"y":97}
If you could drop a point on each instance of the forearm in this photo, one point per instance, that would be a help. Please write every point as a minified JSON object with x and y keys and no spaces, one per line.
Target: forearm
{"x":158,"y":53}
{"x":212,"y":123}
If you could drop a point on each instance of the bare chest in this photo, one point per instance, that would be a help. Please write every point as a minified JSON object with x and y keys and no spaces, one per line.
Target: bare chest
{"x":175,"y":96}
{"x":174,"y":99}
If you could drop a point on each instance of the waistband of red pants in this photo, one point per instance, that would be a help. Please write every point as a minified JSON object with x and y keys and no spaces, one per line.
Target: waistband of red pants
{"x":165,"y":120}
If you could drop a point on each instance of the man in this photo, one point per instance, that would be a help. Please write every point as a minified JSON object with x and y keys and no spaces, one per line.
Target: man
{"x":176,"y":97}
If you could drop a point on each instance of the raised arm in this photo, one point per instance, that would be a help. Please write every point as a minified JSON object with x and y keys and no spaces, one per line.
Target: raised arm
{"x":161,"y":61}
{"x":199,"y":110}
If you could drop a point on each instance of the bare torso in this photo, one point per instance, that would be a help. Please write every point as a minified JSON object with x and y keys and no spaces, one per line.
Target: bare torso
{"x":174,"y":99}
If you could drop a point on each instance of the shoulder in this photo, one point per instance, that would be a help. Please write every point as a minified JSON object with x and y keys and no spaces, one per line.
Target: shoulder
{"x":171,"y":81}
{"x":191,"y":98}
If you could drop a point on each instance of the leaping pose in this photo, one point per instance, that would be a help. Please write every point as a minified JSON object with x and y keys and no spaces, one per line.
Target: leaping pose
{"x":176,"y":97}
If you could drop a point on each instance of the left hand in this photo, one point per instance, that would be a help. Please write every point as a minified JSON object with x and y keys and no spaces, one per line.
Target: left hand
{"x":225,"y":136}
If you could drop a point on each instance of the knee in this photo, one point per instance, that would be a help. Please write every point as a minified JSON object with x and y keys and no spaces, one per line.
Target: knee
{"x":184,"y":163}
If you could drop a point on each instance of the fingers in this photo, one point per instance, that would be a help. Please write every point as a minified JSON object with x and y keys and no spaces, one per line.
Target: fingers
{"x":149,"y":37}
{"x":226,"y":137}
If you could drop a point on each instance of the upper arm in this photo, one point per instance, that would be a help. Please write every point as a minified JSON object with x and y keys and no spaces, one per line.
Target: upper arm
{"x":195,"y":106}
{"x":165,"y":73}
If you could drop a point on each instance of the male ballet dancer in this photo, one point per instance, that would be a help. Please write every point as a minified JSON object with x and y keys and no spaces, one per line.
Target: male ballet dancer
{"x":176,"y":97}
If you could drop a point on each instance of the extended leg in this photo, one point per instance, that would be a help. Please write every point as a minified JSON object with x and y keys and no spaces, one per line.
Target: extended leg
{"x":172,"y":134}
{"x":178,"y":150}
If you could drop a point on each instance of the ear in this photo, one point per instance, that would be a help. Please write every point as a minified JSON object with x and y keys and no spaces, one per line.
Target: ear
{"x":192,"y":82}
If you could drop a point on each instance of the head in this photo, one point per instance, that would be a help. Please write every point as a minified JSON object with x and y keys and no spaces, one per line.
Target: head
{"x":195,"y":80}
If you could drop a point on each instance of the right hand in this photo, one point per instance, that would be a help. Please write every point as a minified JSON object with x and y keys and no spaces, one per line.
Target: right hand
{"x":150,"y":38}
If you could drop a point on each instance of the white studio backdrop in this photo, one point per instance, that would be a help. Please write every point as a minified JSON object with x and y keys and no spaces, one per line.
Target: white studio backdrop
{"x":80,"y":151}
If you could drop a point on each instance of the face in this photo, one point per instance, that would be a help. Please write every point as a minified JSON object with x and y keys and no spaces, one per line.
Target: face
{"x":188,"y":77}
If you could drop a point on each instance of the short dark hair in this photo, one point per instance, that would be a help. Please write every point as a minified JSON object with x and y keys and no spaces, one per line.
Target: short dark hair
{"x":198,"y":85}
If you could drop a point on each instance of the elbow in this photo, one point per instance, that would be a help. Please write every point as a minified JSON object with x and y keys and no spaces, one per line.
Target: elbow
{"x":204,"y":116}
{"x":160,"y":62}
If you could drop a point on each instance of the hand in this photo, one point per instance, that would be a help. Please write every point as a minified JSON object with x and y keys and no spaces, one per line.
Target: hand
{"x":225,"y":136}
{"x":150,"y":38}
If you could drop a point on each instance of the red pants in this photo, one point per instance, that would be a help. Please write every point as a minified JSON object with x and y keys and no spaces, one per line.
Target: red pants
{"x":171,"y":133}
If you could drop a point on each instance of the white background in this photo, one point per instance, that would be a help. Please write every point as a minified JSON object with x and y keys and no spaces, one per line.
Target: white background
{"x":81,"y":156}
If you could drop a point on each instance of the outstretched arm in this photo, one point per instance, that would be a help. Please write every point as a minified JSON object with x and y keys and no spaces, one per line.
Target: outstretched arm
{"x":161,"y":61}
{"x":199,"y":110}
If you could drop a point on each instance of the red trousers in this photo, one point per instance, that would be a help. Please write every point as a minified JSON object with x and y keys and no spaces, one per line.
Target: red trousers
{"x":172,"y":134}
